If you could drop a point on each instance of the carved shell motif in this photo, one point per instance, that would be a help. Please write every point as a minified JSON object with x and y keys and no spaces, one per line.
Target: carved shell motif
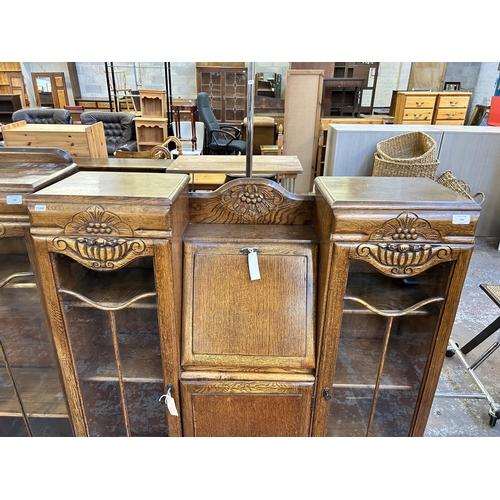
{"x":99,"y":239}
{"x":251,"y":202}
{"x":399,"y":253}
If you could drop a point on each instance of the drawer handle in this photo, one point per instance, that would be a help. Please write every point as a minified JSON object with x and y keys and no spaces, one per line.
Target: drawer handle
{"x":419,"y":103}
{"x":417,"y":116}
{"x":453,"y":103}
{"x":451,"y":115}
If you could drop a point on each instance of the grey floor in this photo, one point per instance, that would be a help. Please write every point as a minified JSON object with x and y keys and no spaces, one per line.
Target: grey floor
{"x":455,"y":416}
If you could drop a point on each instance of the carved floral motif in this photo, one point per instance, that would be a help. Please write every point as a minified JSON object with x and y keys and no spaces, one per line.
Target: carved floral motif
{"x":401,"y":253}
{"x":99,"y":239}
{"x":407,"y":227}
{"x":251,"y":201}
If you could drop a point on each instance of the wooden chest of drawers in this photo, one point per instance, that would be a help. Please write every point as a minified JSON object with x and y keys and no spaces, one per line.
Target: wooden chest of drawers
{"x":429,"y":108}
{"x":451,"y":108}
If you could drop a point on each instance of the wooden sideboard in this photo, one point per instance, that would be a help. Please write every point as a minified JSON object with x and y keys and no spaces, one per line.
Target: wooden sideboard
{"x":436,"y":108}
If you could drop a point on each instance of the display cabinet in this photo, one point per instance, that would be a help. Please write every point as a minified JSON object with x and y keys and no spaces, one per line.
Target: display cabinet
{"x":249,"y":302}
{"x":227,"y":89}
{"x":394,"y":254}
{"x":32,"y":401}
{"x":8,"y":104}
{"x":151,"y":128}
{"x":109,"y":253}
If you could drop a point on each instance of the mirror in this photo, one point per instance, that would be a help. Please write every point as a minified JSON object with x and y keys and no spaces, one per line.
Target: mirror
{"x":44,"y":89}
{"x":50,"y":89}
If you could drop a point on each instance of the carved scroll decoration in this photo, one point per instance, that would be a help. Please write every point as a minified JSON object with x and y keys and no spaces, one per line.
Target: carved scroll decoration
{"x":2,"y":230}
{"x":99,"y":239}
{"x":400,"y":252}
{"x":251,"y":202}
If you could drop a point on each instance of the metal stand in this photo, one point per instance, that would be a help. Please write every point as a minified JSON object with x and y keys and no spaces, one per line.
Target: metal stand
{"x":493,"y":292}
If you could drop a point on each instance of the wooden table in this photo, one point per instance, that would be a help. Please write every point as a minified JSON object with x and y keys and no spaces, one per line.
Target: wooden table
{"x":285,"y":167}
{"x":123,"y":164}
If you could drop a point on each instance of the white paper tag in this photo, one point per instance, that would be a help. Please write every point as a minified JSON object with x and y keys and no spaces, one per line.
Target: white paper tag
{"x":14,"y":199}
{"x":461,"y":219}
{"x":253,"y":264}
{"x":169,"y":400}
{"x":40,"y":208}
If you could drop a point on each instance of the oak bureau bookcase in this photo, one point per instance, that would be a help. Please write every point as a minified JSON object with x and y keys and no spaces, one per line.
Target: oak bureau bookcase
{"x":109,"y":254}
{"x":32,"y":401}
{"x":250,"y":310}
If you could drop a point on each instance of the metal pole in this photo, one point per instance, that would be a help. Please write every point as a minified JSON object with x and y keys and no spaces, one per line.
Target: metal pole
{"x":250,"y":100}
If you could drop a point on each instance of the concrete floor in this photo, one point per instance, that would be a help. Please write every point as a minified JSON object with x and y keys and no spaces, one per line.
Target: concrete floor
{"x":457,"y":417}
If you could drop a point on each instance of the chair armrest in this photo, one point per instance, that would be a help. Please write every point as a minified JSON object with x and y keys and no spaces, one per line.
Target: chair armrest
{"x":129,"y":146}
{"x":225,"y":134}
{"x":236,"y":132}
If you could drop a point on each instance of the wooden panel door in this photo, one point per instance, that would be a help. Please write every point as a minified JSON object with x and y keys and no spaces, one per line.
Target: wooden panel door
{"x":247,"y":408}
{"x":16,"y":82}
{"x":427,"y":75}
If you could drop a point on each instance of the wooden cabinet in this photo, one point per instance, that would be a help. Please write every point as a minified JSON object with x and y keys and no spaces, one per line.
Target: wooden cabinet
{"x":32,"y":401}
{"x":251,"y":311}
{"x":248,"y":346}
{"x":441,"y":108}
{"x":393,"y":258}
{"x":151,"y":128}
{"x":451,"y":108}
{"x":108,"y":246}
{"x":89,"y":104}
{"x":227,"y":89}
{"x":366,"y":74}
{"x":341,"y":96}
{"x":8,"y":104}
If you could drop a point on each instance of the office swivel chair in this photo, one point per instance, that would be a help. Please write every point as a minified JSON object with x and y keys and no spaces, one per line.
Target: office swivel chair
{"x":221,"y":140}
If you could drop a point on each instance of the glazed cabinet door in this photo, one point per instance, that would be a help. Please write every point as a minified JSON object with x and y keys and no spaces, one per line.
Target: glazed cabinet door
{"x":227,"y":89}
{"x":31,"y":397}
{"x":392,"y":335}
{"x":106,"y":324}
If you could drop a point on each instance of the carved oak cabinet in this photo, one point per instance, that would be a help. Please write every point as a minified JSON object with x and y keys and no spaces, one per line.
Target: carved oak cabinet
{"x":249,"y":301}
{"x":393,"y":257}
{"x":108,"y":247}
{"x":32,"y":401}
{"x":249,"y":310}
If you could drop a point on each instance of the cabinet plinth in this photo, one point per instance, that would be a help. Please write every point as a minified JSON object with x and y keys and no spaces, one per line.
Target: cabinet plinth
{"x":107,"y":246}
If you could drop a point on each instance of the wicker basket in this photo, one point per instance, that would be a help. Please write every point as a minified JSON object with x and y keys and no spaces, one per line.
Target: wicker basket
{"x":459,"y":186}
{"x":412,"y":147}
{"x":390,"y":168}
